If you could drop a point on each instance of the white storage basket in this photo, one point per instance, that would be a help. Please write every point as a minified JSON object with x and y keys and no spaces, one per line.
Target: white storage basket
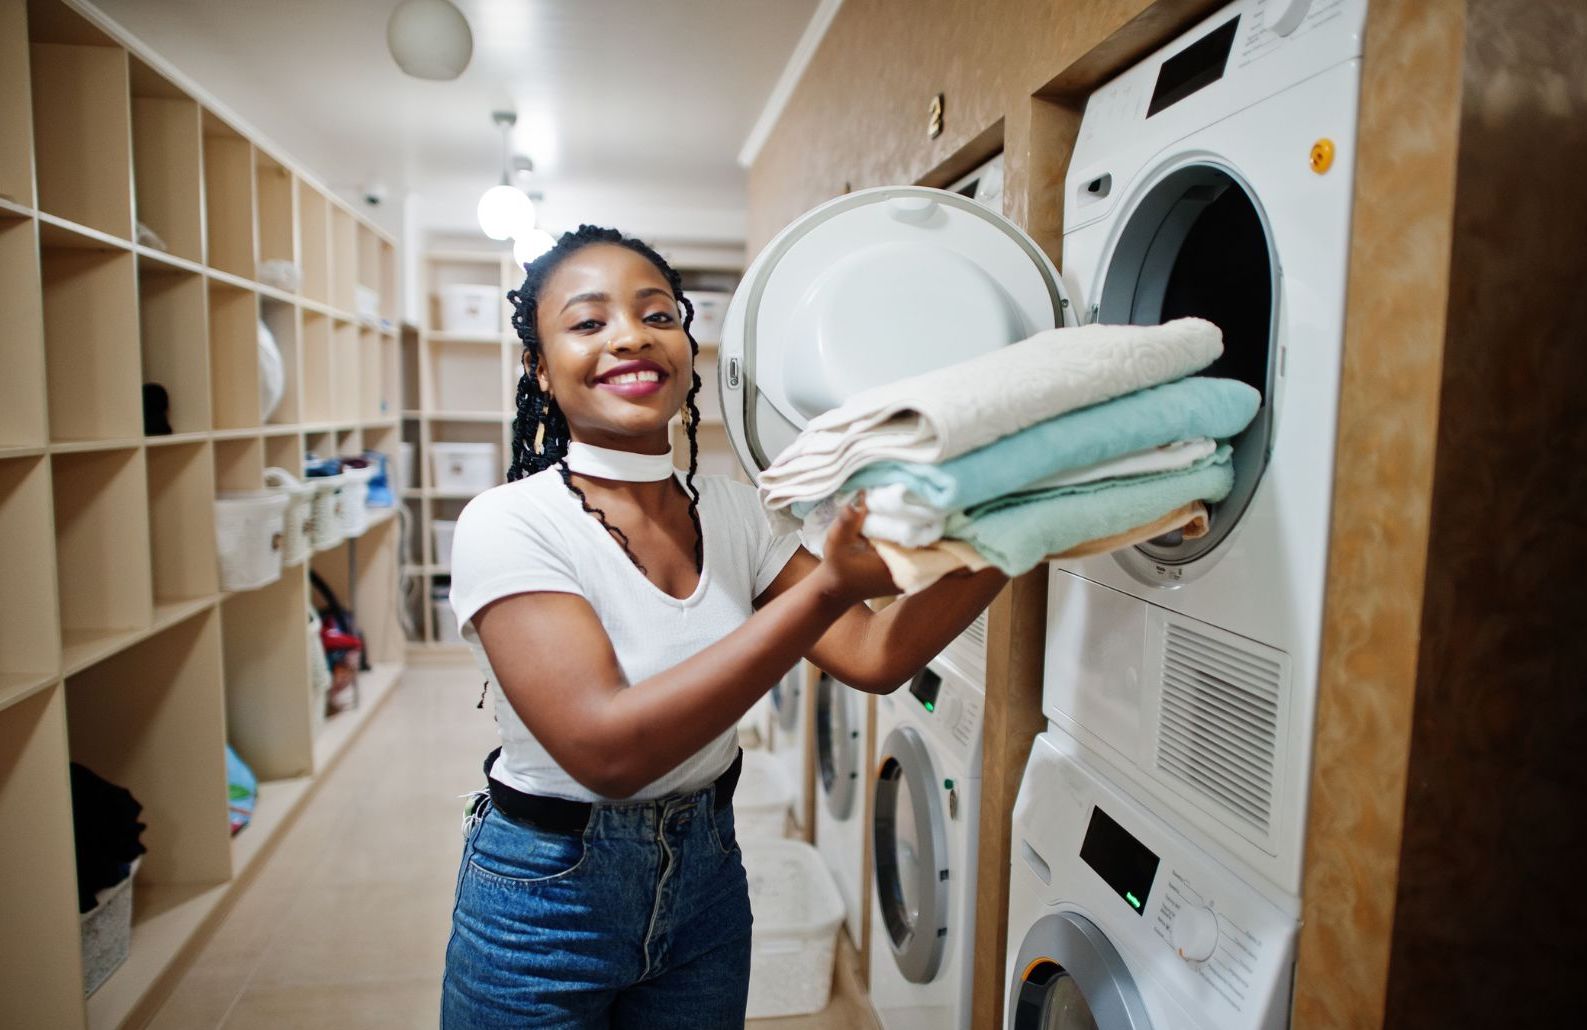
{"x":470,"y":308}
{"x":249,"y":531}
{"x":107,"y":932}
{"x":797,"y":914}
{"x":295,"y":544}
{"x":761,"y":800}
{"x":355,"y":499}
{"x":444,"y":528}
{"x":710,"y":311}
{"x":404,"y":469}
{"x":326,"y":522}
{"x":446,"y":631}
{"x":463,"y":467}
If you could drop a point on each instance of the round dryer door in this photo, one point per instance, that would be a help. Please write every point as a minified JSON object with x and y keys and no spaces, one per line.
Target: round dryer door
{"x":785,"y":697}
{"x":1196,"y":242}
{"x":1070,"y":977}
{"x":837,"y":744}
{"x":909,"y":849}
{"x":866,"y":289}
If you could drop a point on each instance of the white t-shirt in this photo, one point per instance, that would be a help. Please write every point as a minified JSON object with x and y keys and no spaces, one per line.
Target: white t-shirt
{"x":532,"y":535}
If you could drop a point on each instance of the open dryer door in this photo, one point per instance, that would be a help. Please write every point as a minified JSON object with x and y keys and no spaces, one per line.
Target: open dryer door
{"x":838,"y":727}
{"x":866,"y":289}
{"x":909,"y":853}
{"x":1070,"y":977}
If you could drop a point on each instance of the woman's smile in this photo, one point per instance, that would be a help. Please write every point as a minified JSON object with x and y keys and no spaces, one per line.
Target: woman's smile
{"x":633,"y":379}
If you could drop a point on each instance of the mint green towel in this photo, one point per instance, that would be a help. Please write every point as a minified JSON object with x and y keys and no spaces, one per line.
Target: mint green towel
{"x":1017,"y":531}
{"x":1182,"y":410}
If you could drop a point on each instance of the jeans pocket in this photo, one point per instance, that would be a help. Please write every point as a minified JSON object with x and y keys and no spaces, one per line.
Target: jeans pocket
{"x":723,"y":831}
{"x":516,"y":854}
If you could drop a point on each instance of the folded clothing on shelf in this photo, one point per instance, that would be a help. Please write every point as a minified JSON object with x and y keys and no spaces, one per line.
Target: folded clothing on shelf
{"x":107,"y":832}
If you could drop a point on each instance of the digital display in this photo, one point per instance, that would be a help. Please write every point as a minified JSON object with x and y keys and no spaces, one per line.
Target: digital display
{"x":925,"y":686}
{"x":1196,"y":67}
{"x":1123,"y":862}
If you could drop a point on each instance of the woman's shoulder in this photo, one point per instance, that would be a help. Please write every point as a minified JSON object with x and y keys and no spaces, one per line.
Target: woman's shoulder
{"x":531,"y":496}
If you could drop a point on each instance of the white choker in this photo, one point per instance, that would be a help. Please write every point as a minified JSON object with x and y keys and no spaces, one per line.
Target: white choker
{"x":624,"y":466}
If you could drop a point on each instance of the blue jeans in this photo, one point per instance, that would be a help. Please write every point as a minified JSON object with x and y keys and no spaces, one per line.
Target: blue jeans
{"x":642,"y":922}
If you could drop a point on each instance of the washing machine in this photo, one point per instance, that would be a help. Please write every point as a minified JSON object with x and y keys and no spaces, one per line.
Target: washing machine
{"x":1118,"y":921}
{"x":1215,"y":179}
{"x":924,"y":848}
{"x":843,"y":747}
{"x":790,"y":734}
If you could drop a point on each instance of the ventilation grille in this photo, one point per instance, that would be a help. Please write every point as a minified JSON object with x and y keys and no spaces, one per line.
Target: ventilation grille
{"x":1218,"y":727}
{"x":968,"y":650}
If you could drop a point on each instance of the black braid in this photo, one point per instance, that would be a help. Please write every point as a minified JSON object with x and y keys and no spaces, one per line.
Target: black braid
{"x":536,"y":412}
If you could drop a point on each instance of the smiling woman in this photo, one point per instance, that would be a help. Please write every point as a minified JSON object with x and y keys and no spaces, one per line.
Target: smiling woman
{"x":624,"y":616}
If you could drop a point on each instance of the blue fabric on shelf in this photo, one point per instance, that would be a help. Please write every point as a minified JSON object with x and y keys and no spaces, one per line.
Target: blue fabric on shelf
{"x":1194,"y":407}
{"x":1016,"y":532}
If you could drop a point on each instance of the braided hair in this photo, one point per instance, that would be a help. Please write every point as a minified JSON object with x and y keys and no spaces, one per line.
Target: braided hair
{"x":540,"y":433}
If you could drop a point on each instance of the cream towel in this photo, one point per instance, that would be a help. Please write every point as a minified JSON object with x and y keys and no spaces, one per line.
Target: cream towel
{"x":947,"y":412}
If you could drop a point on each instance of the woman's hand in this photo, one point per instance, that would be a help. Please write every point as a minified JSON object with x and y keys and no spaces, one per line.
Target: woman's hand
{"x":850,"y":569}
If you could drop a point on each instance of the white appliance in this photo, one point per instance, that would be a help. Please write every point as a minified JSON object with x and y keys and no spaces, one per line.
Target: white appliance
{"x":1117,"y":921}
{"x":925,"y":845}
{"x":790,"y":734}
{"x":1214,"y":179}
{"x":843,"y":746}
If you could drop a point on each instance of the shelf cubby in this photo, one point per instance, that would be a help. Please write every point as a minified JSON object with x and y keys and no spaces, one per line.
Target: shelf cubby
{"x":274,"y":185}
{"x":314,"y":242}
{"x":90,"y":323}
{"x":285,"y":452}
{"x":282,"y":321}
{"x":82,"y":133}
{"x":182,"y":522}
{"x":363,"y":574}
{"x":348,"y":442}
{"x":389,"y":301}
{"x":372,"y":376}
{"x":229,"y":198}
{"x":29,"y":615}
{"x":41,"y":972}
{"x":172,"y":325}
{"x":168,"y":162}
{"x":408,"y":349}
{"x":234,"y":356}
{"x":344,"y":260}
{"x":101,"y":549}
{"x":465,"y":377}
{"x":22,"y":411}
{"x":368,"y":258}
{"x":239,"y":465}
{"x":318,"y":405}
{"x":268,"y":703}
{"x":346,"y":372}
{"x":16,"y":106}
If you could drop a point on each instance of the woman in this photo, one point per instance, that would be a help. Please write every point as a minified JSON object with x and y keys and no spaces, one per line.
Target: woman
{"x":625,"y":618}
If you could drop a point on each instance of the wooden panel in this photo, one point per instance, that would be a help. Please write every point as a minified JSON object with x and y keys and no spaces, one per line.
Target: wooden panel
{"x":102,"y":541}
{"x":167,"y":171}
{"x":90,"y":323}
{"x":173,"y":324}
{"x":16,"y":106}
{"x":277,"y":226}
{"x":182,"y":521}
{"x":82,"y":120}
{"x":22,"y":392}
{"x":268,"y":703}
{"x":234,"y":356}
{"x":29,"y":623}
{"x":229,"y":200}
{"x":314,"y":244}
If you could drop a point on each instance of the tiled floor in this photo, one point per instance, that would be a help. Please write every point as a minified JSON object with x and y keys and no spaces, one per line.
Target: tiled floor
{"x":345,"y":925}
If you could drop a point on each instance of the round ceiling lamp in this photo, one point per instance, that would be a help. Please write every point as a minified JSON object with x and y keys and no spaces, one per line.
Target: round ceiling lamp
{"x":429,"y":39}
{"x":505,"y":211}
{"x":530,"y":246}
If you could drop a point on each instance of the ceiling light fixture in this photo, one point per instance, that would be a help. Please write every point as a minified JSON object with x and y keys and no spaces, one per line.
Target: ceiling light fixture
{"x":531,"y":245}
{"x":505,"y":211}
{"x":429,"y":39}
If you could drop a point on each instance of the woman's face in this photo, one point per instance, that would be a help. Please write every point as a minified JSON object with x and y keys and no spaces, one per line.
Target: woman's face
{"x":614,"y":355}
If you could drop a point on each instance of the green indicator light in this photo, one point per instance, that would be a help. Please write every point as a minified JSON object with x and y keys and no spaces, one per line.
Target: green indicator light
{"x":930,"y":707}
{"x":1132,"y":899}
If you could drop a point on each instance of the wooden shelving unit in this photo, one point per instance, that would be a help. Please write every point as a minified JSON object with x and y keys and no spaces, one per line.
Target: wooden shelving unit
{"x":460,"y":387}
{"x":134,"y":220}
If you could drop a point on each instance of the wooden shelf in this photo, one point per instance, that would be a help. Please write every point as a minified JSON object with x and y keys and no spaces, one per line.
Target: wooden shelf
{"x":29,"y":620}
{"x":340,"y":730}
{"x":346,"y":372}
{"x":171,"y":318}
{"x":229,"y":198}
{"x":181,"y":521}
{"x":22,"y":387}
{"x":16,"y":107}
{"x":90,"y":324}
{"x":102,"y":546}
{"x":82,"y":134}
{"x":234,"y":356}
{"x":276,"y":221}
{"x":168,"y":162}
{"x":492,"y":339}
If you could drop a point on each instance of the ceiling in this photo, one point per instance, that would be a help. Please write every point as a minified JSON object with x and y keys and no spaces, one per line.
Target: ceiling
{"x":633,"y":111}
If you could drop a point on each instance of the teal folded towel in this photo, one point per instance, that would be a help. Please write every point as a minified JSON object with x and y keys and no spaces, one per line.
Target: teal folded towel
{"x":1182,"y":410}
{"x":1016,"y":532}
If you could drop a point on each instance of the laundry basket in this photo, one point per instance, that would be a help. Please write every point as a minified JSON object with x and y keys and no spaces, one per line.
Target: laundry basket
{"x":249,"y":528}
{"x":107,"y":932}
{"x":326,"y":522}
{"x":446,"y":630}
{"x":444,"y":528}
{"x":464,"y":468}
{"x":760,"y":803}
{"x":355,"y":498}
{"x":797,"y":912}
{"x":295,"y":543}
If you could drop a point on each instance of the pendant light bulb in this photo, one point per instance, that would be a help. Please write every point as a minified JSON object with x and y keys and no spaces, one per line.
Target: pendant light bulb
{"x":505,"y":212}
{"x":429,"y":39}
{"x":531,"y":245}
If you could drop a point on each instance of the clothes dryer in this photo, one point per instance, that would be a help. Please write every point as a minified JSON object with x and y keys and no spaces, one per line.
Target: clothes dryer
{"x":1215,"y":179}
{"x":790,"y":735}
{"x":925,"y":848}
{"x":844,"y":742}
{"x":1120,"y":922}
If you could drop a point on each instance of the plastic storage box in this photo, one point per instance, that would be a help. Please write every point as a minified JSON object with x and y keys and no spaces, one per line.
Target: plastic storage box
{"x":404,"y":467}
{"x":107,"y":932}
{"x":760,"y":803}
{"x":464,"y":467}
{"x":797,"y":914}
{"x":444,"y":528}
{"x":470,"y":308}
{"x":710,"y":310}
{"x":295,"y":543}
{"x":446,"y":631}
{"x":249,"y":533}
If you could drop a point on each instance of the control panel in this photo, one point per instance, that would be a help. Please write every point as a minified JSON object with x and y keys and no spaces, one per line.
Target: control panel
{"x":950,"y":707}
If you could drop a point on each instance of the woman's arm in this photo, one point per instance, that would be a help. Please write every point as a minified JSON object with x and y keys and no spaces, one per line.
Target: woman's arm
{"x":878,"y":651}
{"x":558,"y":670}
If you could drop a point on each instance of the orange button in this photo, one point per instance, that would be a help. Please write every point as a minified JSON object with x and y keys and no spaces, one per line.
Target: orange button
{"x":1322,"y":155}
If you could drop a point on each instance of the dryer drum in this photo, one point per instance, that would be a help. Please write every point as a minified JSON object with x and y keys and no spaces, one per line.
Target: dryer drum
{"x":1196,"y":244}
{"x":785,"y":699}
{"x":909,"y":855}
{"x":837,"y":742}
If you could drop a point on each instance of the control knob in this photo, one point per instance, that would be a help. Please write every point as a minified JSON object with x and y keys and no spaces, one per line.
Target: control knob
{"x":1194,"y":933}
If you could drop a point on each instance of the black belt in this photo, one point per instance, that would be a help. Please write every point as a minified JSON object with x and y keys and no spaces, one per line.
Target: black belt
{"x":564,"y":815}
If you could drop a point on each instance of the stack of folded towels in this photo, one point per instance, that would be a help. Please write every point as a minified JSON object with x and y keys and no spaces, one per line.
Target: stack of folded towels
{"x":1071,"y":443}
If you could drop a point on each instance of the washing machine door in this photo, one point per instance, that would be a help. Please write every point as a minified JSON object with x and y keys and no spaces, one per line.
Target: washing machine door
{"x":786,"y":694}
{"x":909,"y":853}
{"x":866,"y":289}
{"x":1068,"y":976}
{"x":837,"y":744}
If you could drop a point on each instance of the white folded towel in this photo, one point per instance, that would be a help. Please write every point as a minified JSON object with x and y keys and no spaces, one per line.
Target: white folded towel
{"x":944,"y":413}
{"x":1170,"y":457}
